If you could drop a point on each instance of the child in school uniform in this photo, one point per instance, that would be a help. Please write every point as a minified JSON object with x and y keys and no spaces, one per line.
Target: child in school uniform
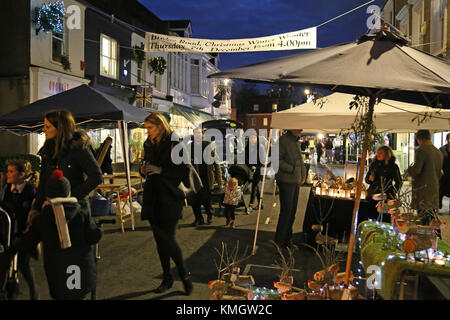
{"x":232,"y":196}
{"x":19,"y":195}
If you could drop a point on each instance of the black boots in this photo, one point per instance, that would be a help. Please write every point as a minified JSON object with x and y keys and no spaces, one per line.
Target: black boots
{"x":165,"y":285}
{"x":187,"y":284}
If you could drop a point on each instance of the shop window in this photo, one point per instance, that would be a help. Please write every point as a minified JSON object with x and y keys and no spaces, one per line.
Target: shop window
{"x":108,"y":57}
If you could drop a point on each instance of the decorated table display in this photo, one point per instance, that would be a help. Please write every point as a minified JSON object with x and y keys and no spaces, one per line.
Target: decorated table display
{"x":386,"y":247}
{"x":334,"y":188}
{"x":326,"y":284}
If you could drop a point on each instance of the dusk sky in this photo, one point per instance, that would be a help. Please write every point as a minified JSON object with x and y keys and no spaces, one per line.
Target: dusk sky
{"x":235,"y":19}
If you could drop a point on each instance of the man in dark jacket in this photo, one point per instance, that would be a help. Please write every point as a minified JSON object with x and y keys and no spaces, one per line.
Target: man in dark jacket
{"x":107,"y":161}
{"x":71,"y":272}
{"x":426,"y":172}
{"x":290,"y":176}
{"x":210,"y":174}
{"x":329,"y":150}
{"x":255,"y":150}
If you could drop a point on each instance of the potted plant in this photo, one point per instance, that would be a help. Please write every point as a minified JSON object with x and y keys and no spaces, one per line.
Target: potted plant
{"x":65,"y":62}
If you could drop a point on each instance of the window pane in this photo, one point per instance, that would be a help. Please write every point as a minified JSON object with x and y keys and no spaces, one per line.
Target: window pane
{"x":57,"y":49}
{"x":195,"y":79}
{"x":113,"y":49}
{"x":105,"y":65}
{"x":105,"y":47}
{"x":113,"y":71}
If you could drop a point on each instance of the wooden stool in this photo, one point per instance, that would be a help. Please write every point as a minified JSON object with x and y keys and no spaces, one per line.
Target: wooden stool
{"x":116,"y":188}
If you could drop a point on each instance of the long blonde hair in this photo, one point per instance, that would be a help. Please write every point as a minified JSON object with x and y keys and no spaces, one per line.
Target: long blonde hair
{"x":159,"y":120}
{"x":65,"y":126}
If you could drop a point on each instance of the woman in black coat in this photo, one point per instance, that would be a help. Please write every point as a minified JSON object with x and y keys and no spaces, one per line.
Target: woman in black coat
{"x":67,"y":148}
{"x":162,"y":204}
{"x":384,"y":170}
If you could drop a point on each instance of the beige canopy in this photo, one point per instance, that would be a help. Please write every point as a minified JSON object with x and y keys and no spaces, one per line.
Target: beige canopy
{"x":335,"y":116}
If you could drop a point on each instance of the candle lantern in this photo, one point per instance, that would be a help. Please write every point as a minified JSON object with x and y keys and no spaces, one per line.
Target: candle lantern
{"x":318,"y":191}
{"x":363,"y":194}
{"x":348,"y":194}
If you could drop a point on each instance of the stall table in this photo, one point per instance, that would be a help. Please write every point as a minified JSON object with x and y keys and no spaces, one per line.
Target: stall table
{"x":336,"y":214}
{"x":379,"y":246}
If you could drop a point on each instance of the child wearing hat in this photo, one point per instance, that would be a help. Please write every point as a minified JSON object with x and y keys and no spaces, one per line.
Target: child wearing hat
{"x":71,"y":270}
{"x":231,"y":199}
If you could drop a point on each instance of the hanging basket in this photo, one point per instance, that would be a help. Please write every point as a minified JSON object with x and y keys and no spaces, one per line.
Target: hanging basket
{"x":157,"y":65}
{"x":138,"y":53}
{"x":49,"y":17}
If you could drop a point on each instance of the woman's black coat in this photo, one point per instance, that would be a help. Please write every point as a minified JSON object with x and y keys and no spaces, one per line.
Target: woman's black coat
{"x":77,"y":163}
{"x":389,"y":171}
{"x":161,"y":205}
{"x":83,"y":234}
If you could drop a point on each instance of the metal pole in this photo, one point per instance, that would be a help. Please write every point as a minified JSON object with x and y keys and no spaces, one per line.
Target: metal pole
{"x":354,"y":226}
{"x":123,"y":129}
{"x":262,"y":193}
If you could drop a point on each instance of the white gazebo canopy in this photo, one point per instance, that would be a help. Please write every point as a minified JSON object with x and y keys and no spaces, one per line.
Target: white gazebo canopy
{"x":335,"y":116}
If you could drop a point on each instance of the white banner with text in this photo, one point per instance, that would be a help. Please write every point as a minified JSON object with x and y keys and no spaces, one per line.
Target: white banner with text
{"x":301,"y":39}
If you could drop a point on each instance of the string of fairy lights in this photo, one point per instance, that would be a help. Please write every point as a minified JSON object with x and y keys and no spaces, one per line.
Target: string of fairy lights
{"x":50,"y":17}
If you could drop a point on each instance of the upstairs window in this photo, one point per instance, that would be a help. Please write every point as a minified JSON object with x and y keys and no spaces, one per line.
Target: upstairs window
{"x":195,"y":76}
{"x":59,"y":45}
{"x":109,"y":57}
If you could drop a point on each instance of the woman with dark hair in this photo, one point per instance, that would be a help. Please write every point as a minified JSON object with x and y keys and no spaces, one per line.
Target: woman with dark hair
{"x":384,"y":173}
{"x":66,"y":148}
{"x":162,"y":205}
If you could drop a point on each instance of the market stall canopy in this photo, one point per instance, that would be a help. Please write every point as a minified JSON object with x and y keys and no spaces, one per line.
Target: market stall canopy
{"x":380,"y":62}
{"x":195,"y":117}
{"x":91,"y":108}
{"x":335,"y":116}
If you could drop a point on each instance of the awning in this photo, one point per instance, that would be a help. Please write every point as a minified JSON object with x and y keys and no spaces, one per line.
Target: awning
{"x":193,"y":116}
